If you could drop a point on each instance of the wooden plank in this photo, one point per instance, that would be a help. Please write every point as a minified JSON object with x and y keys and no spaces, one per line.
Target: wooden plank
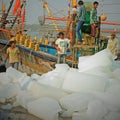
{"x":85,"y":46}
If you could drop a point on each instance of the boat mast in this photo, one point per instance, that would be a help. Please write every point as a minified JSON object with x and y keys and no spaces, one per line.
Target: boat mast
{"x":23,"y":3}
{"x":4,"y":17}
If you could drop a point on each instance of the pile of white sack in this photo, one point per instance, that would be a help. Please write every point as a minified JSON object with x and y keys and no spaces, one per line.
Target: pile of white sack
{"x":91,"y":92}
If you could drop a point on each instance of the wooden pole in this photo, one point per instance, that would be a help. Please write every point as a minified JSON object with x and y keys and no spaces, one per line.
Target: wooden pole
{"x":4,"y":17}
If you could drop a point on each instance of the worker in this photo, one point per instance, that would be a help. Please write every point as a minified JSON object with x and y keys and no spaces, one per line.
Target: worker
{"x":113,"y":45}
{"x":13,"y":54}
{"x":94,"y":20}
{"x":61,"y":45}
{"x":73,"y":18}
{"x":81,"y":19}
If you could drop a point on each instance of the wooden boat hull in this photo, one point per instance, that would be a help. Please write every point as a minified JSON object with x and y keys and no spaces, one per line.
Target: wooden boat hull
{"x":37,"y":61}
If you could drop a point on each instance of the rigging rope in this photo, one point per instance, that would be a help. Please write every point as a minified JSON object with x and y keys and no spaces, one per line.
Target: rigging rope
{"x":57,"y":11}
{"x":2,"y":49}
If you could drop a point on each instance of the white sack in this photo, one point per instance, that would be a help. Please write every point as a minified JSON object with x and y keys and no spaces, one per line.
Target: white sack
{"x":56,"y":77}
{"x":82,"y":82}
{"x":25,"y":82}
{"x":10,"y":90}
{"x":75,"y":102}
{"x":102,"y":58}
{"x":100,"y":71}
{"x":23,"y":98}
{"x":111,"y":101}
{"x":45,"y":108}
{"x":4,"y":79}
{"x":14,"y":74}
{"x":40,"y":90}
{"x":96,"y":110}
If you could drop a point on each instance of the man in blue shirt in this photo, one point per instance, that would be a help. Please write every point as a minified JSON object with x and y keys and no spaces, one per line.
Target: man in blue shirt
{"x":81,"y":19}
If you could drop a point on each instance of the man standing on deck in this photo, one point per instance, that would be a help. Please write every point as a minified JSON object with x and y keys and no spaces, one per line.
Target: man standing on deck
{"x":13,"y":54}
{"x":93,"y":20}
{"x":81,"y":19}
{"x":73,"y":19}
{"x":61,"y":45}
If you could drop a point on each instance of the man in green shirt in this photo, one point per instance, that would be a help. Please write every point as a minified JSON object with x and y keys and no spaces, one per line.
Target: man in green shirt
{"x":93,"y":20}
{"x":81,"y":19}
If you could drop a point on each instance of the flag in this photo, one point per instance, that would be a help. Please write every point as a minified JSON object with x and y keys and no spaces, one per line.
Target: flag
{"x":23,"y":16}
{"x":17,"y":8}
{"x":19,"y":12}
{"x":3,"y":6}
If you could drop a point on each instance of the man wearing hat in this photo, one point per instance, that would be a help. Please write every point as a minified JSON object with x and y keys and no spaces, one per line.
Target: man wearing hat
{"x":113,"y":44}
{"x":13,"y":54}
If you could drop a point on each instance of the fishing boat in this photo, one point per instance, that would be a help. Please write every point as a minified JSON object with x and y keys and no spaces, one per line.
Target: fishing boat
{"x":12,"y":22}
{"x":40,"y":54}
